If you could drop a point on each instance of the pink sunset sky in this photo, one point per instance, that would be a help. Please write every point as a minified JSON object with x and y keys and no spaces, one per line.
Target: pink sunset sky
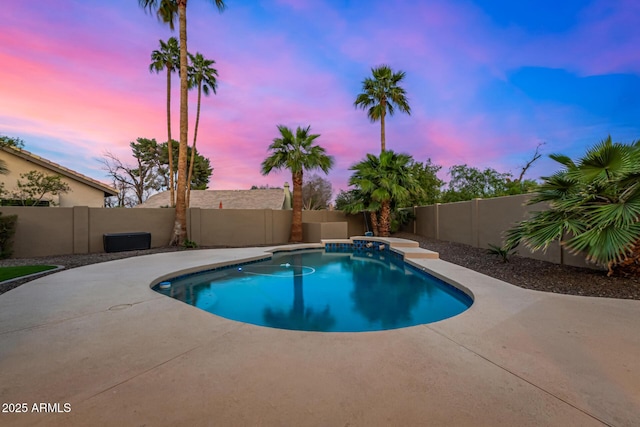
{"x":487,"y":81}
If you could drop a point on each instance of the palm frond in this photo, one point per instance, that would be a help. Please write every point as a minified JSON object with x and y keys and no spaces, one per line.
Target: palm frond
{"x":296,"y":152}
{"x":563,"y":160}
{"x":604,"y":162}
{"x":604,"y":245}
{"x":619,"y":214}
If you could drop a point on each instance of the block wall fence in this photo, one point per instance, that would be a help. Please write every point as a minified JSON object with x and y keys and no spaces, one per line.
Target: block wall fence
{"x":481,"y":222}
{"x":79,"y":230}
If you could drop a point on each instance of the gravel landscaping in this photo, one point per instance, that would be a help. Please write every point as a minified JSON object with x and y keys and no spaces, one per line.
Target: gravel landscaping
{"x":533,"y":274}
{"x":519,"y":271}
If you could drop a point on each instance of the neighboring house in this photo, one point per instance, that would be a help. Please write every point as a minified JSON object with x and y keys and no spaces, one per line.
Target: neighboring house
{"x":271,"y":198}
{"x":84,"y":191}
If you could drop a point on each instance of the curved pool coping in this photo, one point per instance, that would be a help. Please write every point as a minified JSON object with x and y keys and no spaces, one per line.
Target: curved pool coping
{"x":465,"y":291}
{"x":302,"y":246}
{"x":100,"y":339}
{"x":234,"y":262}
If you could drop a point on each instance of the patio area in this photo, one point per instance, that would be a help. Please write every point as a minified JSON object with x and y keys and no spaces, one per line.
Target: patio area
{"x":98,"y":338}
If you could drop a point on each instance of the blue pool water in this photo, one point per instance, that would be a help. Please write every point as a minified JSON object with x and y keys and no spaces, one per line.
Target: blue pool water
{"x":320,"y":291}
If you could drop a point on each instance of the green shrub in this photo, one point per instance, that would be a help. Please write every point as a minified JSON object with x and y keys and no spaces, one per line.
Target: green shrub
{"x":7,"y":230}
{"x":503,"y":252}
{"x":189,"y":244}
{"x":401,"y":217}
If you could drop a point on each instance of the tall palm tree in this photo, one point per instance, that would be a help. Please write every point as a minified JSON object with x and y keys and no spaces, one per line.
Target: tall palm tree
{"x":202,"y":76}
{"x":167,"y":10}
{"x":387,"y":180}
{"x":594,"y":208}
{"x":168,"y":57}
{"x":381,"y":95}
{"x":296,"y":153}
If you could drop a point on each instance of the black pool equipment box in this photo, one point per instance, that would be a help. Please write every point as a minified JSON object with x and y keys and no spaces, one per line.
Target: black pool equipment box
{"x":118,"y":242}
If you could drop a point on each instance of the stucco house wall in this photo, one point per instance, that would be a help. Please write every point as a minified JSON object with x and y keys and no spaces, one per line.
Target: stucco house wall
{"x":84,"y":191}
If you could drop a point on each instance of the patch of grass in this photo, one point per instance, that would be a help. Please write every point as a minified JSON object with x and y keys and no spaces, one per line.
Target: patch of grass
{"x":7,"y":273}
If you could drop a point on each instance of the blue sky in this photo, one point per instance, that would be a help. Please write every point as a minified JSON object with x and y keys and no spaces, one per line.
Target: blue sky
{"x":487,"y":80}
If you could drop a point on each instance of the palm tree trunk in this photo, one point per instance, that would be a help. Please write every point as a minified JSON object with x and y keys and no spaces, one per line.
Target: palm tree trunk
{"x":374,"y":223}
{"x":383,"y":142}
{"x":629,"y":266}
{"x":193,"y":149}
{"x":180,"y":225}
{"x":169,"y":145}
{"x":296,"y":222}
{"x":385,"y":215}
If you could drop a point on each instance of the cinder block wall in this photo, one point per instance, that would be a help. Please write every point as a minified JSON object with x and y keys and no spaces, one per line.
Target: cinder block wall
{"x":158,"y":222}
{"x":47,"y":231}
{"x":480,"y":222}
{"x":79,"y":230}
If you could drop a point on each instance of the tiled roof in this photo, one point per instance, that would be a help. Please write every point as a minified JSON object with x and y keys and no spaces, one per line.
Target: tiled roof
{"x":27,"y":155}
{"x":230,"y":199}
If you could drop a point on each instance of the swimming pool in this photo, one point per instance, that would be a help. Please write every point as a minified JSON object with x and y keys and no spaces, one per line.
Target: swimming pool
{"x":315,"y":290}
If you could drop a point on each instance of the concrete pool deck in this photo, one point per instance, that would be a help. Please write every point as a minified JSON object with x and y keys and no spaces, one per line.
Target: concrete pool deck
{"x":98,"y":338}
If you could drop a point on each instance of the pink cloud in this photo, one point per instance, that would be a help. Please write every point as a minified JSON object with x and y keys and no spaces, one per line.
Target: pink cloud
{"x":85,"y":82}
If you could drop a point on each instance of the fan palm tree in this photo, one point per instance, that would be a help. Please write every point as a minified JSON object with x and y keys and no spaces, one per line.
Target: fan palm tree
{"x":594,"y":203}
{"x":387,"y":180}
{"x":297,"y":153}
{"x":168,"y":57}
{"x":167,"y":10}
{"x":202,"y":76}
{"x":381,"y":95}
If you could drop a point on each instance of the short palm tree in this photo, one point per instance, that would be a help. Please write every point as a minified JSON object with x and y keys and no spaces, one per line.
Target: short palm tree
{"x":168,"y":57}
{"x":203,"y":77}
{"x":594,"y":208}
{"x":387,"y":180}
{"x":167,"y":11}
{"x":382,"y":94}
{"x":297,"y":153}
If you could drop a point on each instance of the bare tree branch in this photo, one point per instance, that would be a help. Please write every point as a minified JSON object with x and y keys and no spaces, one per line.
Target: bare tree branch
{"x":535,"y":157}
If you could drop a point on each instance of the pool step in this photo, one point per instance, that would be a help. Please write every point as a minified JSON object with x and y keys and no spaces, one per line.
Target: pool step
{"x":399,"y":243}
{"x":415,"y":253}
{"x":394,"y":242}
{"x":408,"y":248}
